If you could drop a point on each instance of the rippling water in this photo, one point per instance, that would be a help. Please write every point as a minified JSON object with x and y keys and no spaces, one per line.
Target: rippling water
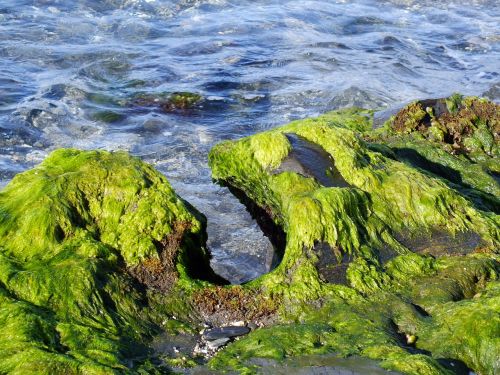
{"x":69,"y":68}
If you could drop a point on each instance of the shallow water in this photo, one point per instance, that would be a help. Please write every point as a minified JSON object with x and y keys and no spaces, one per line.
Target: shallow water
{"x":67,"y":65}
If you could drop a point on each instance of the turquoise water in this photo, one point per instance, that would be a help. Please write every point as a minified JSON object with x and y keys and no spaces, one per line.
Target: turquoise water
{"x":69,"y":70}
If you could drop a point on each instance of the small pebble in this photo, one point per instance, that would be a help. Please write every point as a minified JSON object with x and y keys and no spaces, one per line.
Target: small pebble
{"x":215,"y":344}
{"x":239,"y":323}
{"x":410,"y":339}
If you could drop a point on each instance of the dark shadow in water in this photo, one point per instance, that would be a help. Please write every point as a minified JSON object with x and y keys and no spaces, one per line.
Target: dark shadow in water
{"x":198,"y":265}
{"x":310,"y":160}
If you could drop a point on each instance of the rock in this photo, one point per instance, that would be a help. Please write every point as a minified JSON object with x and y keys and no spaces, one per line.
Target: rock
{"x":177,"y":102}
{"x":215,"y":344}
{"x":252,"y":326}
{"x":238,"y":323}
{"x":94,"y":220}
{"x":410,"y":339}
{"x":310,"y":160}
{"x":230,"y":331}
{"x":349,"y":236}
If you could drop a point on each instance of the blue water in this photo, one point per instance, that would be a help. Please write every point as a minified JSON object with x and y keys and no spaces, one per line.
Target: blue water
{"x":257,"y":64}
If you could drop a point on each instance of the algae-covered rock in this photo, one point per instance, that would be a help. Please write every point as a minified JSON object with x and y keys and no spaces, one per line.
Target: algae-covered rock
{"x":94,"y":248}
{"x":443,"y":136}
{"x":463,"y":125}
{"x":378,"y":249}
{"x":388,"y":241}
{"x":177,"y":102}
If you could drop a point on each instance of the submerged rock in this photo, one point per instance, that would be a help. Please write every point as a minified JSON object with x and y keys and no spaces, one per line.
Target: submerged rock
{"x":177,"y":102}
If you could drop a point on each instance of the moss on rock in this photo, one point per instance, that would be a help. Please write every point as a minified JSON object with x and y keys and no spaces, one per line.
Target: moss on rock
{"x":413,"y":244}
{"x":75,"y":232}
{"x":391,"y":252}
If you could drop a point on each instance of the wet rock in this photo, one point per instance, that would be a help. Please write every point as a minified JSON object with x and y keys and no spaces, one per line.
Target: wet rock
{"x":177,"y":102}
{"x":310,"y":160}
{"x":355,"y":97}
{"x":108,"y":116}
{"x":441,"y":243}
{"x":464,"y":125}
{"x":252,"y":326}
{"x":493,"y":93}
{"x":113,"y":228}
{"x":385,"y":280}
{"x":216,"y":344}
{"x":332,"y":263}
{"x":380,"y":117}
{"x":225,"y":332}
{"x":154,"y":126}
{"x":238,"y":323}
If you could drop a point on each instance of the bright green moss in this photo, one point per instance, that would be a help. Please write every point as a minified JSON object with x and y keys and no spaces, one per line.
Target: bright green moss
{"x":371,"y":265}
{"x":390,"y":210}
{"x":70,"y":228}
{"x":467,"y":329}
{"x":73,"y":195}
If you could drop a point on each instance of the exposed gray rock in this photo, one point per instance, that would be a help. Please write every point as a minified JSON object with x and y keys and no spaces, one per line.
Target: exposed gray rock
{"x":225,"y":332}
{"x":310,"y":160}
{"x":215,"y":344}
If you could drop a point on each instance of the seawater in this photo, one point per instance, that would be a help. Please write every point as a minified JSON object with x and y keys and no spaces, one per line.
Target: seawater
{"x":257,"y":64}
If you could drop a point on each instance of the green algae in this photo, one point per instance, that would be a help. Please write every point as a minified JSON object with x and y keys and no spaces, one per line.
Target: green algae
{"x":393,"y":306}
{"x":98,"y":253}
{"x":71,"y":230}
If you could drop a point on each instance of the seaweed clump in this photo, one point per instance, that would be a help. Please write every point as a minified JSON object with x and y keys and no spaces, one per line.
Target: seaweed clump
{"x":176,"y":102}
{"x":463,"y":125}
{"x":219,"y":305}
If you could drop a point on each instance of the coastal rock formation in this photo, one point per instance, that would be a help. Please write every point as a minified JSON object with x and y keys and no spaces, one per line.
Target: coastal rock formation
{"x":93,"y":248}
{"x":383,"y":257}
{"x":388,"y":243}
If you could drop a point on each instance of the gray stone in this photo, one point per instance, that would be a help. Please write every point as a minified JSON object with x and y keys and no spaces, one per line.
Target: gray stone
{"x":252,"y":325}
{"x":224,"y":332}
{"x":215,"y":344}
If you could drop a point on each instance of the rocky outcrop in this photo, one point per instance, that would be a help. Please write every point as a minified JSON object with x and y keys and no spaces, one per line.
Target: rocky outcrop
{"x":383,"y":258}
{"x":95,"y":248}
{"x":388,"y":244}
